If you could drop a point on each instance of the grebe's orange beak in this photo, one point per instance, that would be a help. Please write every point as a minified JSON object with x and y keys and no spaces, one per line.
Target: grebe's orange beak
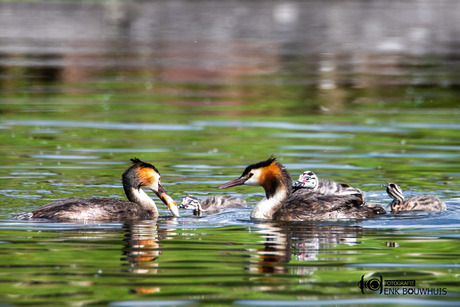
{"x":168,"y":201}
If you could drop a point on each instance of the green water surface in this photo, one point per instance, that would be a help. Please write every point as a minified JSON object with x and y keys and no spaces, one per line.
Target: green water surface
{"x":202,"y":89}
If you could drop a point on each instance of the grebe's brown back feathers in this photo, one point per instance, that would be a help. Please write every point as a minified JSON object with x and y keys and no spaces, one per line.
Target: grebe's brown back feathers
{"x":317,"y":207}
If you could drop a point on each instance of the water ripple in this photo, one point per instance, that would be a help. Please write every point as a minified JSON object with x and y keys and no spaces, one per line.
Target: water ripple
{"x":119,"y":150}
{"x":294,"y":126}
{"x":313,"y":135}
{"x":424,"y":125}
{"x":322,"y":166}
{"x":64,"y":157}
{"x":377,"y":155}
{"x":404,"y":265}
{"x":314,"y":147}
{"x":100,"y":125}
{"x":153,"y":303}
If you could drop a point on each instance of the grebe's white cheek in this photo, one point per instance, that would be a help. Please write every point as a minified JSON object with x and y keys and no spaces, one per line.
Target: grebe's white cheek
{"x":254,"y":180}
{"x":154,"y":186}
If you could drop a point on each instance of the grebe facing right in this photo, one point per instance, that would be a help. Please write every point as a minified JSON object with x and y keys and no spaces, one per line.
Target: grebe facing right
{"x":212,"y":204}
{"x":416,"y":203}
{"x":281,"y":203}
{"x":140,"y":205}
{"x":309,"y":180}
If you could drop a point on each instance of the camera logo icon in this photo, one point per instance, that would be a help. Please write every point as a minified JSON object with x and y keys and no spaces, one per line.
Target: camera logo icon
{"x":373,"y":284}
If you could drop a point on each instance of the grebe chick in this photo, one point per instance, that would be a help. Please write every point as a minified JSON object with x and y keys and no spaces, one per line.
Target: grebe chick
{"x":212,"y":204}
{"x":281,"y":203}
{"x":310,"y":180}
{"x":307,"y":180}
{"x":139,"y":206}
{"x":416,"y":203}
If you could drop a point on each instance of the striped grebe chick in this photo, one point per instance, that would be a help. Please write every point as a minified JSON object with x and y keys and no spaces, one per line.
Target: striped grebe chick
{"x":140,"y":205}
{"x":282,"y":203}
{"x":416,"y":203}
{"x":309,"y":180}
{"x":211,"y":204}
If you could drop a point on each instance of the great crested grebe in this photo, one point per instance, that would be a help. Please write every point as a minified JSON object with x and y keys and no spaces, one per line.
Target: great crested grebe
{"x":140,"y":205}
{"x":281,"y":203}
{"x":416,"y":203}
{"x":309,"y":180}
{"x":211,"y":204}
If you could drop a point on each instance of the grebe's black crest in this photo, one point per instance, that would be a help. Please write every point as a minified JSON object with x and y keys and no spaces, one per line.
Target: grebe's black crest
{"x":272,"y":186}
{"x":259,"y":165}
{"x":140,"y":163}
{"x":132,"y":177}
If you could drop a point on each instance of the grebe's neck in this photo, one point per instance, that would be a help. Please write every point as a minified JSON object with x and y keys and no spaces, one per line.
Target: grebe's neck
{"x":135,"y":194}
{"x":267,"y":207}
{"x":278,"y":187}
{"x":139,"y":197}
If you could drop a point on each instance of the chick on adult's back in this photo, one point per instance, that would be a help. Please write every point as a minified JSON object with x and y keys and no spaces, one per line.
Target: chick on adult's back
{"x":309,"y":180}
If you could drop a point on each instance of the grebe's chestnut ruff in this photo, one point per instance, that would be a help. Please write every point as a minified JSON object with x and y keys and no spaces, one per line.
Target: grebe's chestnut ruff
{"x":281,"y":203}
{"x":140,"y":205}
{"x":416,"y":203}
{"x":211,"y":204}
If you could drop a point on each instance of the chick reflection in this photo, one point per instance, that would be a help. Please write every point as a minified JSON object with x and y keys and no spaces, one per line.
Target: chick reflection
{"x":284,"y":242}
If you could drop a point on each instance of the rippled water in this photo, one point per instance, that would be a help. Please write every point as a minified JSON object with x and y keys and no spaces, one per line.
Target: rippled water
{"x":363,"y":93}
